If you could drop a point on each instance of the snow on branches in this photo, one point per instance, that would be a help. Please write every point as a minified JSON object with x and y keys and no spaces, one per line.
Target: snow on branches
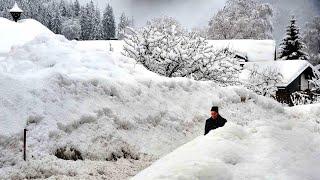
{"x":312,"y":39}
{"x":292,"y":47}
{"x":242,"y":19}
{"x":316,"y":81}
{"x":263,"y":81}
{"x":164,"y":47}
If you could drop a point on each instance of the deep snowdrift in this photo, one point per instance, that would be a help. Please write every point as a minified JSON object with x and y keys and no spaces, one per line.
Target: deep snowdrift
{"x":283,"y":146}
{"x":13,"y":33}
{"x":121,"y":117}
{"x":102,"y":104}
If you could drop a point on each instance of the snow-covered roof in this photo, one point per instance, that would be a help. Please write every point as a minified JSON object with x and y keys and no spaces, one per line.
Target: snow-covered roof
{"x":12,"y":33}
{"x":255,"y":50}
{"x":290,"y":69}
{"x":15,"y":8}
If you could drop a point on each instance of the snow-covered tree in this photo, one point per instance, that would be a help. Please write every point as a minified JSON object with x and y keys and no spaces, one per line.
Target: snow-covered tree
{"x":108,"y":23}
{"x":71,"y":29}
{"x":220,"y":66}
{"x":312,"y":39}
{"x":292,"y":47}
{"x":57,"y":23}
{"x":263,"y":81}
{"x":76,"y":8}
{"x":242,"y":19}
{"x":170,"y":51}
{"x":316,"y":81}
{"x":88,"y":21}
{"x":124,"y":22}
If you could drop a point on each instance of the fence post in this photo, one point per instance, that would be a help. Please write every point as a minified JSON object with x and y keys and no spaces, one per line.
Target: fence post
{"x":24,"y":143}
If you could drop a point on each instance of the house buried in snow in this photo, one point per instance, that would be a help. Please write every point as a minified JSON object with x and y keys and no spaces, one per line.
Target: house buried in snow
{"x":262,"y":54}
{"x":296,"y":76}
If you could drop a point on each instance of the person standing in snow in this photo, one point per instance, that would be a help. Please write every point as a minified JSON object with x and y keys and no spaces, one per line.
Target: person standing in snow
{"x":215,"y":121}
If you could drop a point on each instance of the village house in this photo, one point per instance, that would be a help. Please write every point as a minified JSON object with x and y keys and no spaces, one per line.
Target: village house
{"x":262,"y":54}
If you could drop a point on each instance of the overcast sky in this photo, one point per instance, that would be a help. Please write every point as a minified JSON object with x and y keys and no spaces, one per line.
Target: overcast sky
{"x":193,"y":13}
{"x":190,"y":13}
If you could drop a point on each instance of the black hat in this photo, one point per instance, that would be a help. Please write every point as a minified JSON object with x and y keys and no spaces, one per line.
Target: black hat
{"x":214,"y":108}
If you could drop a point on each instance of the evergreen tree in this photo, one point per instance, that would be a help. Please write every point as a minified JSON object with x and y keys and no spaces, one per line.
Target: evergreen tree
{"x":56,"y":23}
{"x":76,"y":8}
{"x":63,"y":8}
{"x":97,"y":26}
{"x":108,"y":23}
{"x":87,"y":16}
{"x":84,"y":24}
{"x":124,"y":22}
{"x":292,"y":46}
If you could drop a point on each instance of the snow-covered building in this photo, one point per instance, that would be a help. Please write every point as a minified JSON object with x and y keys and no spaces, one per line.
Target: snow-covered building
{"x":296,"y":76}
{"x":262,"y":54}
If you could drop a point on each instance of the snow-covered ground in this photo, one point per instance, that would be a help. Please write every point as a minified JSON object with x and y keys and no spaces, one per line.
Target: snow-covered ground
{"x":271,"y":145}
{"x":121,"y":118}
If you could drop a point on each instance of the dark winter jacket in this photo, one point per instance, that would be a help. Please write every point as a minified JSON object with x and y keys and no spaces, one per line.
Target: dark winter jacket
{"x":214,"y":124}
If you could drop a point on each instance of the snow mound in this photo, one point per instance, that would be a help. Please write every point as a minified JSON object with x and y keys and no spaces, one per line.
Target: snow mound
{"x":286,"y":147}
{"x":102,"y":105}
{"x":12,"y":33}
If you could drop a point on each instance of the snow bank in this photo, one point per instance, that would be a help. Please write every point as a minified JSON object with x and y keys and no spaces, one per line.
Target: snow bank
{"x":106,"y":106}
{"x":12,"y":33}
{"x":273,"y":146}
{"x":120,"y":117}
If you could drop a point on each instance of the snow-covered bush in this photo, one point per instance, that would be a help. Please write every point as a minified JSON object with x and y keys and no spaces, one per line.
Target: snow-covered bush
{"x":165,"y":48}
{"x":263,"y":81}
{"x":242,"y":19}
{"x":220,"y":66}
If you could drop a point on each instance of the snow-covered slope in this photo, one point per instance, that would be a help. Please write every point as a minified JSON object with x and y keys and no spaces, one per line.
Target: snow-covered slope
{"x":273,"y":146}
{"x":13,"y":33}
{"x":98,"y":102}
{"x":118,"y":115}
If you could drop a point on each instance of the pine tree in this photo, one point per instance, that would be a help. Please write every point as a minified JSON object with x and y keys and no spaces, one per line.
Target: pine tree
{"x":97,"y":26}
{"x":84,"y":24}
{"x":124,"y":22}
{"x":76,"y":8}
{"x":108,"y":22}
{"x":87,"y":16}
{"x":292,"y":47}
